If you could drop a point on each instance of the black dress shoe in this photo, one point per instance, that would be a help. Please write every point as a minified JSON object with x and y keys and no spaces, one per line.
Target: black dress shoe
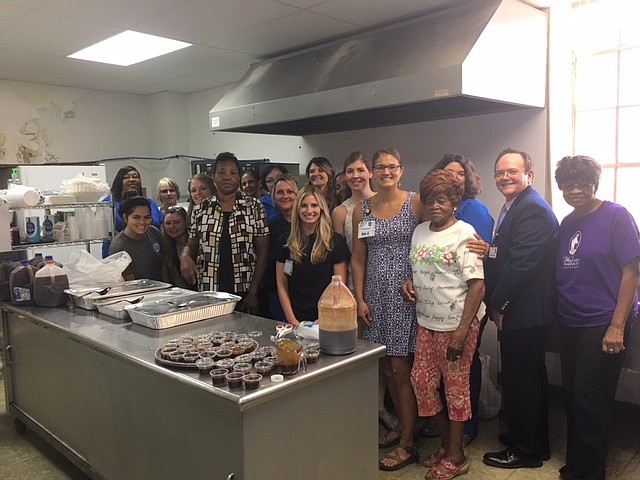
{"x":503,"y":438}
{"x":508,"y":458}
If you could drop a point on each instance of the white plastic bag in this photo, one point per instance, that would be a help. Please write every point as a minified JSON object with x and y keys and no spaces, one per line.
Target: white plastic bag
{"x":83,"y":269}
{"x":490,"y":397}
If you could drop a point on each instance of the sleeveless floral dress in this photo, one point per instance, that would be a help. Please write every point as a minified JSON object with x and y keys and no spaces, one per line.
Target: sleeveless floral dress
{"x":393,"y":320}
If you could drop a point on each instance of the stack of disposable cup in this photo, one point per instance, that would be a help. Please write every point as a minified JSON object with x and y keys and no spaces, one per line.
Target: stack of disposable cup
{"x":20,"y":196}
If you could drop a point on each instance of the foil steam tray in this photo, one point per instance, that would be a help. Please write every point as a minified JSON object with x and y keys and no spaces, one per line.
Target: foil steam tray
{"x":114,"y":307}
{"x":166,"y":313}
{"x":84,"y":297}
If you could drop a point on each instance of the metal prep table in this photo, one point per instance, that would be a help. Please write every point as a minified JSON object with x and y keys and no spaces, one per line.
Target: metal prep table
{"x":89,"y":385}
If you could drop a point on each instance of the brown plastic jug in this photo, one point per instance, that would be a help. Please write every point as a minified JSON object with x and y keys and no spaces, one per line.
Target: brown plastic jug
{"x":50,"y":284}
{"x":337,"y":319}
{"x":21,"y":284}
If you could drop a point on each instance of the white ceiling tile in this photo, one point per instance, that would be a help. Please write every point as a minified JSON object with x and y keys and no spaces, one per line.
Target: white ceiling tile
{"x":9,"y":15}
{"x":23,"y":3}
{"x":303,"y":3}
{"x":292,"y":31}
{"x":114,"y":12}
{"x":371,"y":12}
{"x":199,"y":60}
{"x":54,"y":34}
{"x":201,"y":20}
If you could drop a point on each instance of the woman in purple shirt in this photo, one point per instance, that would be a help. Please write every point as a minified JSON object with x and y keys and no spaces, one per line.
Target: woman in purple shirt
{"x":597,"y":276}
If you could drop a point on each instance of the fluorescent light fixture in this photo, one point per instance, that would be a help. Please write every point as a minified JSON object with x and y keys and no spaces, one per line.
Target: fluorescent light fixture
{"x":129,"y":47}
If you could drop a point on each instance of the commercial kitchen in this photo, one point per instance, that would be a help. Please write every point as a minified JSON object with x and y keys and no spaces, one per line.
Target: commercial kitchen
{"x":273,"y":81}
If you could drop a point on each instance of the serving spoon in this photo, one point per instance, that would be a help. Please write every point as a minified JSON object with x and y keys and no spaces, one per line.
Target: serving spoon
{"x":102,"y":291}
{"x":132,"y":301}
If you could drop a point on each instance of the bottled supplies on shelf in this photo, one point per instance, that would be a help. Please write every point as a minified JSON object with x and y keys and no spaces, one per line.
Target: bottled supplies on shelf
{"x":32,"y":225}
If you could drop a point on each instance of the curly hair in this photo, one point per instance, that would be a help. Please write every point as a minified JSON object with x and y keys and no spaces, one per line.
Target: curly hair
{"x":297,"y":241}
{"x":578,"y":168}
{"x":472,"y":184}
{"x":440,"y":182}
{"x":116,"y":186}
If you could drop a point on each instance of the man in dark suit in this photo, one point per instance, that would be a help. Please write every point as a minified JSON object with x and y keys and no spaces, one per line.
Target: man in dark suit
{"x":520,"y":281}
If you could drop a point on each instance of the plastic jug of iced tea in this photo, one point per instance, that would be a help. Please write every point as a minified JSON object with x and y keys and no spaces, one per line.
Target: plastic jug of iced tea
{"x":37,"y":261}
{"x":49,"y":285}
{"x":6,"y":267}
{"x":337,"y":319}
{"x":21,"y":284}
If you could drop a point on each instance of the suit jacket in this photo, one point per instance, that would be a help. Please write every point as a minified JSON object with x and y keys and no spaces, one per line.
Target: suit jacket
{"x":520,"y":279}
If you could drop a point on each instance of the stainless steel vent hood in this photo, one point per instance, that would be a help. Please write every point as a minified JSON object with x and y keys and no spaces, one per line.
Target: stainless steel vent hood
{"x":472,"y":57}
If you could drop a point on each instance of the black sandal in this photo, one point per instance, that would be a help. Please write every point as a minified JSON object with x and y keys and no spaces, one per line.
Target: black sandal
{"x":400,"y":463}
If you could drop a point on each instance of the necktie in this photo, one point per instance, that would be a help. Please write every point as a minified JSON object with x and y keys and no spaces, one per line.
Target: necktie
{"x":503,"y":213}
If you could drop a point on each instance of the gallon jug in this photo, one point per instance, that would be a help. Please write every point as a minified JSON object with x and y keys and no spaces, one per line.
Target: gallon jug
{"x":6,"y":267}
{"x":37,"y":261}
{"x":337,"y":319}
{"x":50,"y":284}
{"x":21,"y":284}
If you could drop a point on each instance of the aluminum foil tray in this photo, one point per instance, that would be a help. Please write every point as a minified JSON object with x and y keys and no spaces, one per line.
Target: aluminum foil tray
{"x":166,"y":313}
{"x":114,"y":307}
{"x":84,"y":297}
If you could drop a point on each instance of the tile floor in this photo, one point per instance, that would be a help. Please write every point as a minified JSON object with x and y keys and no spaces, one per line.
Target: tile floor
{"x":30,"y":458}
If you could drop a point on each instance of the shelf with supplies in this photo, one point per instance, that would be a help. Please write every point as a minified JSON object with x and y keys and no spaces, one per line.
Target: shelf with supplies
{"x":66,"y":224}
{"x":84,"y":243}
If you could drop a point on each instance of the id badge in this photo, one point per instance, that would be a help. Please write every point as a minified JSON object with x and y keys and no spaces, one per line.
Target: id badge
{"x":366,"y":229}
{"x":288,"y":267}
{"x":493,"y":252}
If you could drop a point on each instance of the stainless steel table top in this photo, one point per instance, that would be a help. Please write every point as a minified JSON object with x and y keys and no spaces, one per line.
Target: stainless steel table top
{"x":137,"y":344}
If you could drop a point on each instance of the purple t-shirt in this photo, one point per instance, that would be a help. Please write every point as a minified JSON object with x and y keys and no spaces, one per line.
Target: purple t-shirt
{"x":592,"y":251}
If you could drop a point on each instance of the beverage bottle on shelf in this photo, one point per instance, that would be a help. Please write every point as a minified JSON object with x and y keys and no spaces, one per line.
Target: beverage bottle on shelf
{"x":37,"y":261}
{"x":50,"y":284}
{"x":337,"y":319}
{"x":6,"y":267}
{"x":21,"y":284}
{"x":47,"y":225}
{"x":33,"y":229}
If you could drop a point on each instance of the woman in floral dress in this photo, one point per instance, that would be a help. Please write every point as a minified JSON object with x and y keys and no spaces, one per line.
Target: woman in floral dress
{"x":382,"y":229}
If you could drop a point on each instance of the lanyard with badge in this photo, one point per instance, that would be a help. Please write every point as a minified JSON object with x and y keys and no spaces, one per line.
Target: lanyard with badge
{"x":366,"y":228}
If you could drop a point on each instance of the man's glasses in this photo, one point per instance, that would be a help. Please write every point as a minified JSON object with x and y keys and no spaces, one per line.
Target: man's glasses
{"x":512,"y":172}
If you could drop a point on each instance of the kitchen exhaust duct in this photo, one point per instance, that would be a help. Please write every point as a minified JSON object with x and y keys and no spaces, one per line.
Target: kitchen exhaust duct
{"x":472,"y":57}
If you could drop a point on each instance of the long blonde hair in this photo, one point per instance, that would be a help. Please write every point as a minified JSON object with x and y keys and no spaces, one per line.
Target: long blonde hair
{"x":297,"y":241}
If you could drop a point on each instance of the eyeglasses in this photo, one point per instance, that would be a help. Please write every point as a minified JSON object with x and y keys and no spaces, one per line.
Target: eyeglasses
{"x":512,"y":172}
{"x":584,"y":186}
{"x":168,"y":190}
{"x":392,"y":168}
{"x":174,"y":208}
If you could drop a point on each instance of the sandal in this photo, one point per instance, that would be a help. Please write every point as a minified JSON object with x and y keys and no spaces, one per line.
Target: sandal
{"x":434,"y":459}
{"x":384,"y":442}
{"x":445,"y":470}
{"x":400,"y":463}
{"x":387,"y":419}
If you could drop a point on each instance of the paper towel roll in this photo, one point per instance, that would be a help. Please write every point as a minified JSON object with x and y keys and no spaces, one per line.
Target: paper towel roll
{"x":21,"y":196}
